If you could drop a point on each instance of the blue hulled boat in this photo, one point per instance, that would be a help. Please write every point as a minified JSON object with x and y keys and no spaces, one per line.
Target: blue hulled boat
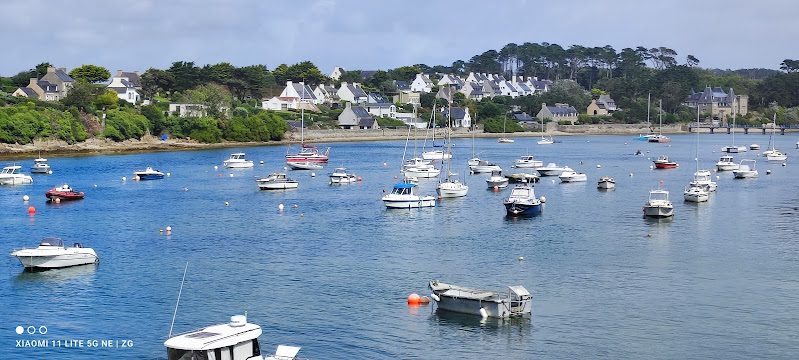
{"x":522,"y":201}
{"x":149,"y":174}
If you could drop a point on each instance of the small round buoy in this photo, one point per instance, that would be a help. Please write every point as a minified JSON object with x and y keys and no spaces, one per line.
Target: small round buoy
{"x":302,"y":214}
{"x":521,"y":258}
{"x":648,"y":235}
{"x":168,"y":174}
{"x":553,"y":181}
{"x":227,"y":203}
{"x":135,"y":177}
{"x":280,"y":207}
{"x":285,"y":168}
{"x":598,"y":166}
{"x":439,"y":197}
{"x":784,"y":164}
{"x":768,"y":172}
{"x":313,"y":174}
{"x":261,"y":162}
{"x":95,"y":185}
{"x":360,"y":178}
{"x":168,"y":228}
{"x":231,"y":174}
{"x":57,"y":200}
{"x":124,"y":178}
{"x":160,"y":231}
{"x":542,"y":199}
{"x":395,"y":176}
{"x":496,"y":188}
{"x":216,"y":167}
{"x":32,"y":210}
{"x":718,"y":177}
{"x":631,"y":174}
{"x":385,"y":164}
{"x":185,"y":189}
{"x":581,"y":162}
{"x":50,"y":172}
{"x":651,"y":167}
{"x":25,"y":198}
{"x":294,"y":206}
{"x":414,"y":299}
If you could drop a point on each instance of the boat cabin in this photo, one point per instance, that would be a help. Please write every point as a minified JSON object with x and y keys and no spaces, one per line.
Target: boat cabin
{"x":658,"y":195}
{"x":236,"y":156}
{"x":237,"y":340}
{"x":52,"y":241}
{"x":403,"y":189}
{"x":522,"y":192}
{"x":11,"y":170}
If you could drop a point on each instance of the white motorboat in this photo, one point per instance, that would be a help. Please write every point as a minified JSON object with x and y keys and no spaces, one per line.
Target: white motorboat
{"x":304,"y":165}
{"x":473,"y":161}
{"x":484,"y":167}
{"x":517,"y":302}
{"x":52,"y":254}
{"x":416,"y":162}
{"x":40,"y":166}
{"x":404,"y":196}
{"x":504,"y":140}
{"x":726,"y":163}
{"x":436,"y":155}
{"x":546,"y":140}
{"x":797,"y":144}
{"x":342,"y":176}
{"x":496,"y":180}
{"x":695,"y":194}
{"x":452,"y":188}
{"x":552,"y":169}
{"x":776,"y":155}
{"x":236,"y":340}
{"x":658,"y":204}
{"x":746,"y":169}
{"x":11,"y":176}
{"x":148,"y":174}
{"x":237,"y":161}
{"x":523,"y":178}
{"x":572,"y":176}
{"x":522,"y":201}
{"x":606,"y":182}
{"x":528,"y":162}
{"x":704,"y":179}
{"x":733,"y":149}
{"x":277,"y":181}
{"x":754,"y":147}
{"x":422,"y":171}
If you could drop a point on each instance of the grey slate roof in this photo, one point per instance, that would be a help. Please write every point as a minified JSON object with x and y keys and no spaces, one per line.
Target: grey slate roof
{"x":402,"y":85}
{"x":29,"y":92}
{"x":356,"y":91}
{"x":540,"y":85}
{"x":361,"y":113}
{"x":377,"y":98}
{"x":63,"y":75}
{"x":133,"y":77}
{"x":304,"y":91}
{"x":47,"y":86}
{"x":523,"y":117}
{"x":562,"y":110}
{"x":457,"y":113}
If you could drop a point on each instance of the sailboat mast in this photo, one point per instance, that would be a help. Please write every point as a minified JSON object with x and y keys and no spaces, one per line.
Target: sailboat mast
{"x":660,"y":116}
{"x":648,"y":123}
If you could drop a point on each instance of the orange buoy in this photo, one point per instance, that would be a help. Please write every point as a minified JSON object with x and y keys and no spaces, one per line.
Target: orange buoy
{"x":414,"y":299}
{"x":32,"y":210}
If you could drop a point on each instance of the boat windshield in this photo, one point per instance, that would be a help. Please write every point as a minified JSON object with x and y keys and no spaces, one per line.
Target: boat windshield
{"x":403,"y":189}
{"x":52,"y":241}
{"x":179,"y":354}
{"x":521,"y":193}
{"x":9,"y":170}
{"x":659,"y":195}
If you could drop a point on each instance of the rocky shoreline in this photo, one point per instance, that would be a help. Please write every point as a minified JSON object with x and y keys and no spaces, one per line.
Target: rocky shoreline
{"x":153,"y":144}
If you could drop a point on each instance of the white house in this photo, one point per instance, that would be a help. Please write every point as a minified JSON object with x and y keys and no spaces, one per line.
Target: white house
{"x":472,"y":91}
{"x":506,"y":88}
{"x":422,"y":83}
{"x":458,"y":116}
{"x":326,"y":93}
{"x":300,"y":92}
{"x":352,"y":93}
{"x":337,"y":72}
{"x":451,"y":81}
{"x":125,"y":89}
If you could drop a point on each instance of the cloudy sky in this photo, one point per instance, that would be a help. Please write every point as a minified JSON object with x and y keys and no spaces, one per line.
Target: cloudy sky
{"x":375,"y":34}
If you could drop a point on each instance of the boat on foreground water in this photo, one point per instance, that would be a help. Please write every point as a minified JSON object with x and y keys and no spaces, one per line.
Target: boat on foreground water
{"x":237,"y":161}
{"x":726,"y":163}
{"x":746,"y":169}
{"x":277,"y":181}
{"x":64,"y":192}
{"x":606,"y":183}
{"x":658,"y":204}
{"x":236,"y":340}
{"x":663,"y":162}
{"x":11,"y":176}
{"x":40,"y":166}
{"x":342,"y":176}
{"x":304,"y":165}
{"x":149,"y":174}
{"x":552,"y":169}
{"x":52,"y":254}
{"x":516,"y":302}
{"x":404,"y":196}
{"x":522,"y":201}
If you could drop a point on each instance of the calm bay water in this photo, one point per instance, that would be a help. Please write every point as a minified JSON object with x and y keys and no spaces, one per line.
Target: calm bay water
{"x":332,"y":273}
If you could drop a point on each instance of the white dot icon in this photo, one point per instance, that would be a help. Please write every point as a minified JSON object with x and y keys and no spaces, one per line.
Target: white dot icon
{"x":20,"y":330}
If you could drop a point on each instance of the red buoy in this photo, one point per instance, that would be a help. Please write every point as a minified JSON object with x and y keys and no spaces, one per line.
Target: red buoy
{"x":414,"y":299}
{"x":31,"y":210}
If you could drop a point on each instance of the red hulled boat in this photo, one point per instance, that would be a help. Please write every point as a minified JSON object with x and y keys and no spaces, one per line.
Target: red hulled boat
{"x":308,"y":153}
{"x":663,"y":162}
{"x":64,"y":193}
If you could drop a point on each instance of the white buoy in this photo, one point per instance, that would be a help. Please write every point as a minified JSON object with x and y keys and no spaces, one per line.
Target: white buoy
{"x":651,"y":167}
{"x":784,"y":164}
{"x":135,"y":177}
{"x":553,"y":181}
{"x":768,"y":172}
{"x":598,"y":166}
{"x":295,"y":206}
{"x":216,"y":167}
{"x":521,"y":258}
{"x":280,"y":207}
{"x":185,"y":189}
{"x":542,"y":199}
{"x":168,"y":174}
{"x":313,"y":174}
{"x":50,"y":172}
{"x":718,"y":177}
{"x":631,"y":174}
{"x":95,"y":185}
{"x":169,"y":230}
{"x":385,"y":164}
{"x":231,"y":174}
{"x":261,"y":162}
{"x":25,"y":198}
{"x":227,"y":203}
{"x":124,"y":178}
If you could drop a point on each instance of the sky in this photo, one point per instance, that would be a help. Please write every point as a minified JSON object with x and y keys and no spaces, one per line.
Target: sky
{"x":375,"y":34}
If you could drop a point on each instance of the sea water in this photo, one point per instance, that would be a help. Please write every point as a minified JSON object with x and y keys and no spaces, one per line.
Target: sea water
{"x":331,"y":272}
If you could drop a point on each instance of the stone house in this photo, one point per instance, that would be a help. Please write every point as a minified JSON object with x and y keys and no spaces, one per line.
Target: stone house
{"x":356,"y":117}
{"x":604,"y":105}
{"x":719,"y":103}
{"x":472,"y":91}
{"x":352,"y":93}
{"x":559,"y":112}
{"x":53,"y":86}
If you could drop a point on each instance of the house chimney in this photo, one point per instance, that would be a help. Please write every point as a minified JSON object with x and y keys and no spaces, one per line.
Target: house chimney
{"x":33,"y":81}
{"x":119,"y":73}
{"x":288,"y":83}
{"x":356,"y":84}
{"x":50,"y":69}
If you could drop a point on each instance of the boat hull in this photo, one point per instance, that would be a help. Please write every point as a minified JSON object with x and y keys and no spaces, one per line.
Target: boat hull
{"x":497,"y":183}
{"x":658,"y":211}
{"x":238,"y":165}
{"x":744,"y":174}
{"x":516,"y":208}
{"x":606,"y":185}
{"x":16,"y":180}
{"x":436,"y":155}
{"x":57,"y":261}
{"x":669,"y":165}
{"x":423,"y":173}
{"x":150,"y":176}
{"x":409,"y":203}
{"x":452,"y":190}
{"x":304,"y":166}
{"x":343,"y":179}
{"x":40,"y":170}
{"x":313,"y":159}
{"x":278,"y":186}
{"x":64,"y":196}
{"x":727,"y":167}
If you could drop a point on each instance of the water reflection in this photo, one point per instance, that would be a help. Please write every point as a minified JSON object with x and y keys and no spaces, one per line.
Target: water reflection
{"x":459,"y":321}
{"x":86,"y":272}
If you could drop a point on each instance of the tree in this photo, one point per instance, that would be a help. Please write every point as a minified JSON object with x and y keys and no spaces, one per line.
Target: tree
{"x":304,"y":71}
{"x":216,"y":97}
{"x":789,"y":65}
{"x":41,"y":69}
{"x":185,"y":75}
{"x":107,"y":100}
{"x":155,"y":81}
{"x":404,"y":73}
{"x":691,"y":61}
{"x":82,"y":96}
{"x":90,"y":73}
